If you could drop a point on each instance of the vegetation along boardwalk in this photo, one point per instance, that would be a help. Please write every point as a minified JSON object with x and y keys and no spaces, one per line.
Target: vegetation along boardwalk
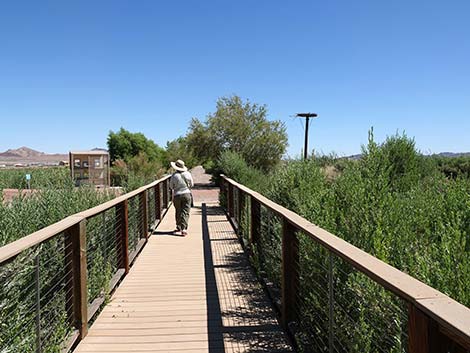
{"x":195,"y":293}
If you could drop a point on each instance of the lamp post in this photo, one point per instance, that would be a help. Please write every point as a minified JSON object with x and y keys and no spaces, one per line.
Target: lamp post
{"x":307,"y":117}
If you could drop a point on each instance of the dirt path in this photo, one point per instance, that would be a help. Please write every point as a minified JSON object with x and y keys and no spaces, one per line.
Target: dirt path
{"x":204,"y":190}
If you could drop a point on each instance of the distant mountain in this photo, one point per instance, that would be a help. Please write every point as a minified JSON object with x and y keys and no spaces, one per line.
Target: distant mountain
{"x":22,"y":152}
{"x":27,"y":156}
{"x":453,"y":154}
{"x":442,"y":154}
{"x":354,"y":157}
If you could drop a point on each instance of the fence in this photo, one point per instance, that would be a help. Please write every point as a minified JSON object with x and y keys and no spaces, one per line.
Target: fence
{"x":334,"y":297}
{"x":54,"y":281}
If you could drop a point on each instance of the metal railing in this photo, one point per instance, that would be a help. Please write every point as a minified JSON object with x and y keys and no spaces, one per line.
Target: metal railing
{"x":54,"y":281}
{"x":334,"y":297}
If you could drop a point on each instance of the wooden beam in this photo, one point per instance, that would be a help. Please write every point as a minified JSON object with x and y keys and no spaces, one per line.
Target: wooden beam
{"x":165,"y":193}
{"x":255,"y":224}
{"x":12,"y":249}
{"x":76,"y":239}
{"x":158,"y":202}
{"x":240,"y":205}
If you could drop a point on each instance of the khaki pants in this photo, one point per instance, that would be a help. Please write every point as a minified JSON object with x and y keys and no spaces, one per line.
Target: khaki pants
{"x":183,"y":207}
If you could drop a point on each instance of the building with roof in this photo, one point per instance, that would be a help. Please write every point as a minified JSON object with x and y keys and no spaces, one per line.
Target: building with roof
{"x":90,"y":167}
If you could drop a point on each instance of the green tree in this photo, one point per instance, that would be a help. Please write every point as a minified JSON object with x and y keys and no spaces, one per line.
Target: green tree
{"x":242,"y":127}
{"x":180,"y":149}
{"x":136,"y":159}
{"x":125,"y":145}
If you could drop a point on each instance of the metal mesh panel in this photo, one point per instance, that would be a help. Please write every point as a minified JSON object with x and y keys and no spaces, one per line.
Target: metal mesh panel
{"x":236,"y":195}
{"x":267,"y":253}
{"x":245,"y":220}
{"x":135,"y":221}
{"x":35,"y":292}
{"x":151,"y":209}
{"x":104,"y":253}
{"x":342,"y":310}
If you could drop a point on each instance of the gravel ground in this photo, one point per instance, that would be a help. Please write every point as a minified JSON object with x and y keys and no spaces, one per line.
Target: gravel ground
{"x":204,"y":190}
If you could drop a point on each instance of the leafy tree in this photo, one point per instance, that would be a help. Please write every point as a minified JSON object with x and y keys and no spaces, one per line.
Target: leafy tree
{"x":242,"y":127}
{"x":136,"y":159}
{"x":180,"y":149}
{"x":453,"y":167}
{"x":124,"y":145}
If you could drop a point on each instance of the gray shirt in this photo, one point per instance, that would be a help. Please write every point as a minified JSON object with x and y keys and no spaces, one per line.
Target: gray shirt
{"x":179,"y":183}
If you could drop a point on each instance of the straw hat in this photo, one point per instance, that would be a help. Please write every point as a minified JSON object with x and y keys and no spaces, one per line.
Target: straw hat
{"x":179,"y":166}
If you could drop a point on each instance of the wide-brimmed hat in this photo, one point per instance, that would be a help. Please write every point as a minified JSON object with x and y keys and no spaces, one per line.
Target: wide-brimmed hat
{"x":179,"y":166}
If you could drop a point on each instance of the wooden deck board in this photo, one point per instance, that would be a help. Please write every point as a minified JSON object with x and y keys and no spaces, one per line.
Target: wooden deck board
{"x":192,"y":294}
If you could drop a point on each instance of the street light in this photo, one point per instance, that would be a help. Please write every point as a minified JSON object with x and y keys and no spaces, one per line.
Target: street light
{"x":307,"y":116}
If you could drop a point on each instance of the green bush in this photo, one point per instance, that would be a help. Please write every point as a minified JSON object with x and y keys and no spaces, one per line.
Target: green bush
{"x":40,"y":177}
{"x":234,"y":166}
{"x":394,"y":204}
{"x":25,"y":215}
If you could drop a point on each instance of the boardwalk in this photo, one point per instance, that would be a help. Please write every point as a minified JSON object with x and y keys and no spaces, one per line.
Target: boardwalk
{"x":192,"y":294}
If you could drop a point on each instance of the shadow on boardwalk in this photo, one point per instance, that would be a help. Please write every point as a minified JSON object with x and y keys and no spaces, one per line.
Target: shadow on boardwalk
{"x":242,"y":319}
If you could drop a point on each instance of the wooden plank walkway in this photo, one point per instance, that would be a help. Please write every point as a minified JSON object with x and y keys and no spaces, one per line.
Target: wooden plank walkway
{"x":192,"y":294}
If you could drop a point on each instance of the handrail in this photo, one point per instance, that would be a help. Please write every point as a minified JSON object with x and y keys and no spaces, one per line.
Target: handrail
{"x":12,"y":249}
{"x":452,"y":317}
{"x":126,"y":223}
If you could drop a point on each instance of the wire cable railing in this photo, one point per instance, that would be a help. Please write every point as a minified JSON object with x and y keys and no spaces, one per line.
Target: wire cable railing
{"x":54,"y":281}
{"x":335,"y":298}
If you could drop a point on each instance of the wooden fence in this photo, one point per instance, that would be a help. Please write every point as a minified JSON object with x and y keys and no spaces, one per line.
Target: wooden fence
{"x":55,"y":280}
{"x":422,"y":319}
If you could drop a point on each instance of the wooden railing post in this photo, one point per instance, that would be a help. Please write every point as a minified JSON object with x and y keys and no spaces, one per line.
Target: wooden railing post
{"x":230,"y":201}
{"x":418,"y":338}
{"x":165,"y":193}
{"x":145,"y":222}
{"x":255,"y":224}
{"x":75,"y":240}
{"x":123,"y":235}
{"x":158,"y":202}
{"x":239,"y":209}
{"x":222,"y":191}
{"x":424,"y":335}
{"x":290,"y":273}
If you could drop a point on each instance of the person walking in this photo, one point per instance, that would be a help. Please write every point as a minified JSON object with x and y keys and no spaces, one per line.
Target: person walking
{"x":181,"y":183}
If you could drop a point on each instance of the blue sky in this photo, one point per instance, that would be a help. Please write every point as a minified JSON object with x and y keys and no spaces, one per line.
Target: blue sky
{"x":70,"y":71}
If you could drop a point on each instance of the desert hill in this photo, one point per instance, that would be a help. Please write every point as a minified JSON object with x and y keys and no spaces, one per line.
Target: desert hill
{"x":27,"y":156}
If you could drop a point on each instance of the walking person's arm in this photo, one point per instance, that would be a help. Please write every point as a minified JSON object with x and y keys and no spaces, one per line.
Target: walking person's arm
{"x":190,"y":180}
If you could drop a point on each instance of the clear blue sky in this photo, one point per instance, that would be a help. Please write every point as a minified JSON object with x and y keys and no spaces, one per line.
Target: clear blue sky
{"x":70,"y":71}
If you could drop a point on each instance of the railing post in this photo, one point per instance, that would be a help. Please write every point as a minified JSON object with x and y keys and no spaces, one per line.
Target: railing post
{"x":222,"y":191}
{"x":255,"y":224}
{"x":158,"y":202}
{"x":123,"y":235}
{"x":423,"y":333}
{"x":145,"y":225}
{"x":76,"y":252}
{"x":418,"y":339}
{"x":230,"y":201}
{"x":165,"y":193}
{"x":239,"y":209}
{"x":290,"y":273}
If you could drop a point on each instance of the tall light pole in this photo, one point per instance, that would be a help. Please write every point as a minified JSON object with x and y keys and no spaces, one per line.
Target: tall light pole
{"x":307,"y":117}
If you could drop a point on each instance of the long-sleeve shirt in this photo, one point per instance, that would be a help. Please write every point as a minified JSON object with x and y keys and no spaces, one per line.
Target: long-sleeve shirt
{"x":181,"y":182}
